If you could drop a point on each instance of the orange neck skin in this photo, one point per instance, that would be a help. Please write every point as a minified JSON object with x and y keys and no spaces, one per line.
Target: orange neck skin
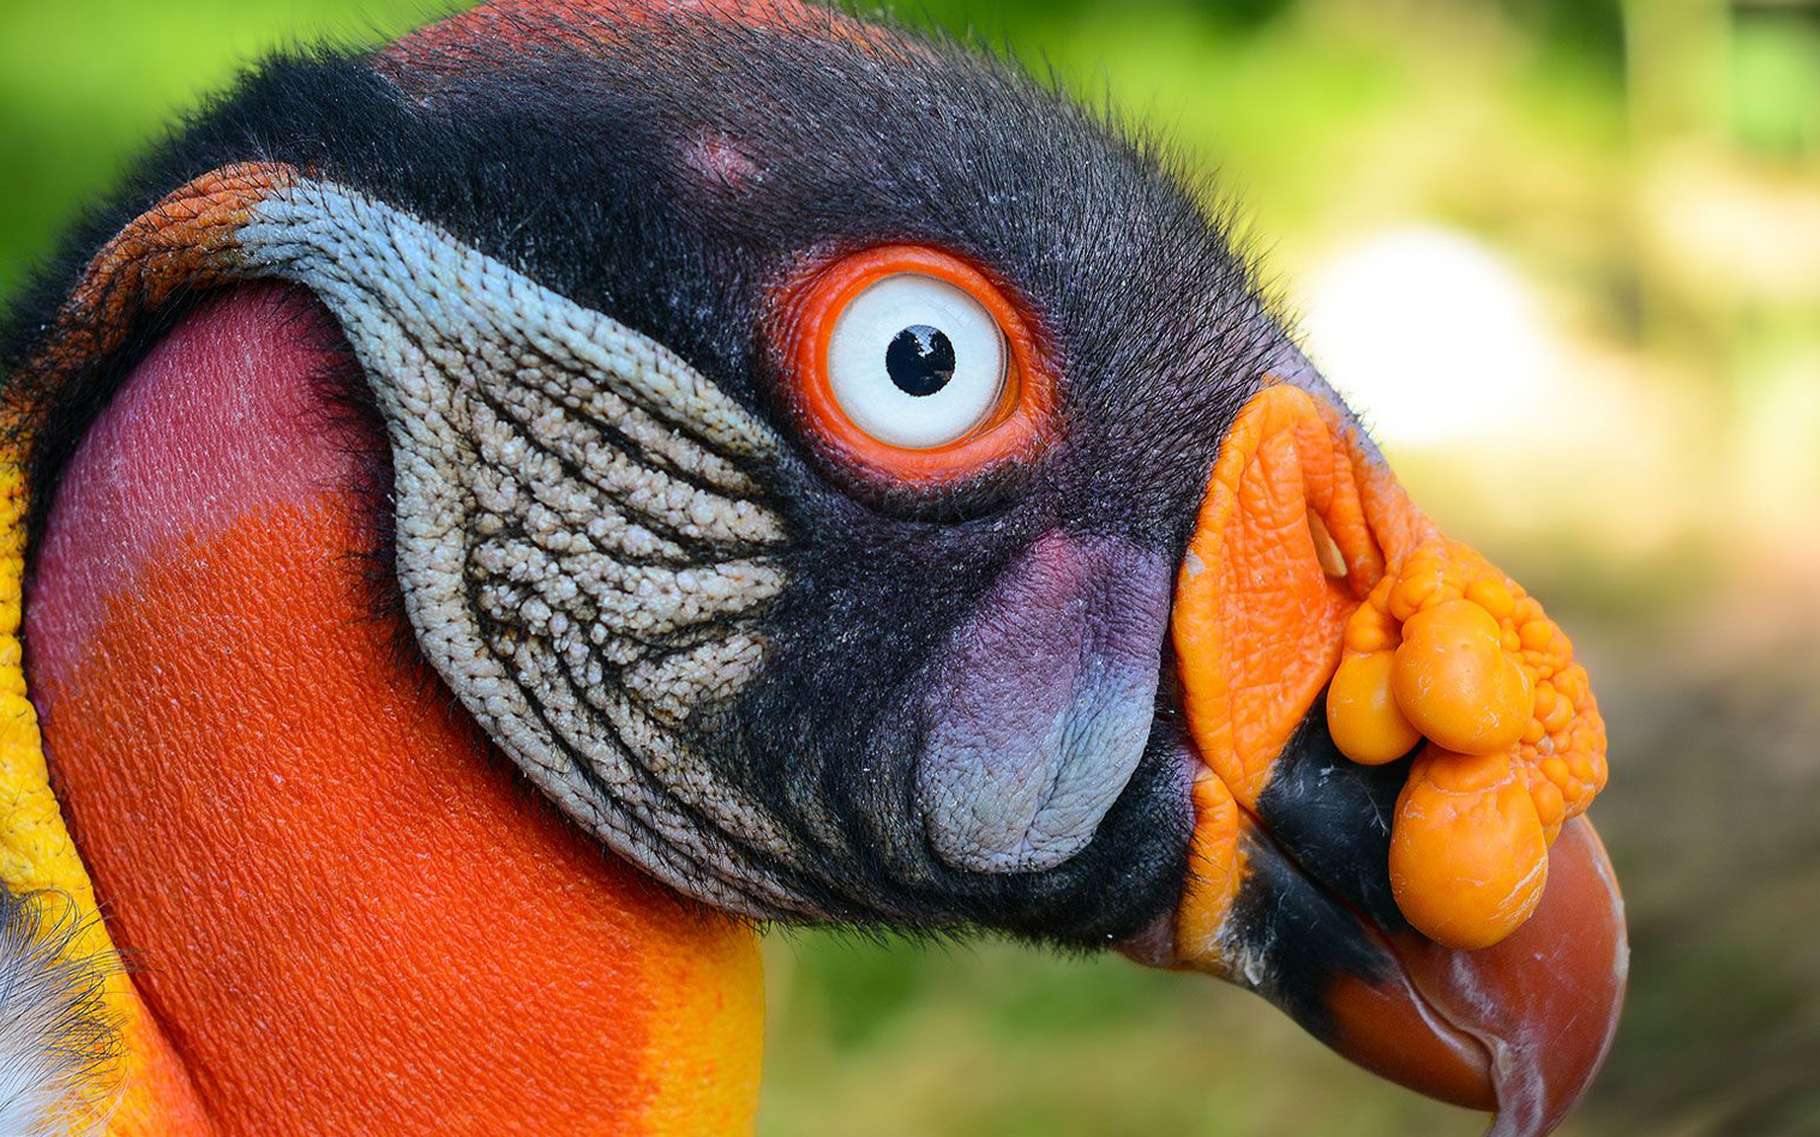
{"x":348,"y":913}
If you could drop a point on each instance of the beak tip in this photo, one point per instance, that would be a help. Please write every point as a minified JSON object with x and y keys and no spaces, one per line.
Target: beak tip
{"x":1545,"y":1002}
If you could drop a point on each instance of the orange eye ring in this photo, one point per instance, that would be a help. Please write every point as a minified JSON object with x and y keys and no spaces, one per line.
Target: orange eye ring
{"x":1017,"y":425}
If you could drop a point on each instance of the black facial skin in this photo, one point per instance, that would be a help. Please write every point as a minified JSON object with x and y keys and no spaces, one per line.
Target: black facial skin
{"x":678,"y":180}
{"x":1331,"y":815}
{"x":1327,"y":821}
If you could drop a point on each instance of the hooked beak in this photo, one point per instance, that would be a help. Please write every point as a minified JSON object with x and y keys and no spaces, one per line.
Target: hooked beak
{"x":1398,"y":862}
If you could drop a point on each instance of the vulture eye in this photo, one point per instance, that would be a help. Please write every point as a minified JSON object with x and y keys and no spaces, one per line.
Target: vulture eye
{"x":910,"y":364}
{"x":916,"y":362}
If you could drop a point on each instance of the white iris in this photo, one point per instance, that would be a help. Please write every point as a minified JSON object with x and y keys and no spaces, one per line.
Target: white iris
{"x":912,"y":415}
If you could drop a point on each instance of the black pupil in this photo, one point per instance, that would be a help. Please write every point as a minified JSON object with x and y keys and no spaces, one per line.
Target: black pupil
{"x":920,"y":360}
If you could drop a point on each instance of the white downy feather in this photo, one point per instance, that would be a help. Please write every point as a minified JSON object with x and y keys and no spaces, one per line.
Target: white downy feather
{"x":54,"y":1030}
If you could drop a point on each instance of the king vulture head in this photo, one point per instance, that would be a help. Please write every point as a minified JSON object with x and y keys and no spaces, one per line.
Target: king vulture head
{"x":494,"y":519}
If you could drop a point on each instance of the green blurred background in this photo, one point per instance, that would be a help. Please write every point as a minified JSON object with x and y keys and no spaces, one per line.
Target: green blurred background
{"x":1565,"y":254}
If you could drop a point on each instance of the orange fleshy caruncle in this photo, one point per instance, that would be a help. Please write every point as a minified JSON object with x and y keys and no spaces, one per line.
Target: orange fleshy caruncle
{"x":1310,"y":568}
{"x":1448,"y":648}
{"x":1310,"y":575}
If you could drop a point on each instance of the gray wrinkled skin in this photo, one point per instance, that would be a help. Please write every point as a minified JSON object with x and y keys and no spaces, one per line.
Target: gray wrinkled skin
{"x":581,"y":555}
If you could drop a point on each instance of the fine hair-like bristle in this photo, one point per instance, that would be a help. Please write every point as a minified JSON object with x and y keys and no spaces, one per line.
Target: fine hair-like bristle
{"x":56,"y":1035}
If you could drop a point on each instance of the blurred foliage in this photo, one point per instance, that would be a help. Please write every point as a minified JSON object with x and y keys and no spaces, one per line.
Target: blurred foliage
{"x":1647,"y":172}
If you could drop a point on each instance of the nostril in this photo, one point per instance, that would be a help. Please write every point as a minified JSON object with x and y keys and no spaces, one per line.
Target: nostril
{"x":1326,"y":549}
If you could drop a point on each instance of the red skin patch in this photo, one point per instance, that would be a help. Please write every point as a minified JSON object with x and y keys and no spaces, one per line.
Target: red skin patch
{"x":584,"y":24}
{"x":719,"y":161}
{"x":348,"y":911}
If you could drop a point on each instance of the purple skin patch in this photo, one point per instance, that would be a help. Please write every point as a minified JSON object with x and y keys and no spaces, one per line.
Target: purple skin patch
{"x":219,"y":420}
{"x":1044,"y":709}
